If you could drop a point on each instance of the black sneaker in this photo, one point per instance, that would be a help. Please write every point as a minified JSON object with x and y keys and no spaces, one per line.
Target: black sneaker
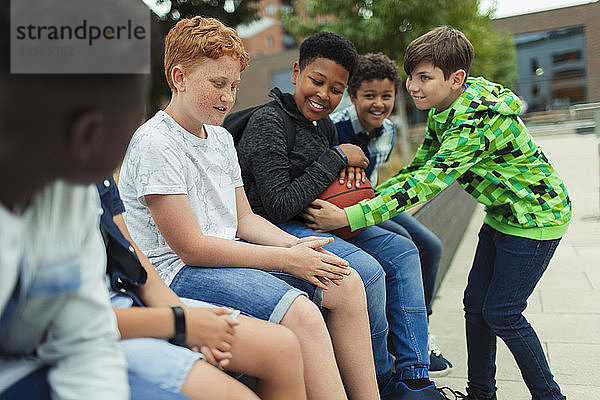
{"x":461,"y":396}
{"x":438,"y":365}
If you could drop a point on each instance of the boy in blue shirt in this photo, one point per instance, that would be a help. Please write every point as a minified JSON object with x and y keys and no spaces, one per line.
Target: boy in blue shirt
{"x":372,"y":89}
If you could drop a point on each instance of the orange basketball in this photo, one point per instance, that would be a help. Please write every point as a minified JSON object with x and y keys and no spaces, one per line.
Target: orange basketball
{"x":341,"y":196}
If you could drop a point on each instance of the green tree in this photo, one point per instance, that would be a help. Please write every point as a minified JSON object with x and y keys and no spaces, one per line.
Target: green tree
{"x":166,"y":13}
{"x":388,"y":26}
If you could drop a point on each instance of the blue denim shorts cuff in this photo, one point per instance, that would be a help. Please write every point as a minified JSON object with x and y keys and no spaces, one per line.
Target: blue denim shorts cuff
{"x":284,"y":305}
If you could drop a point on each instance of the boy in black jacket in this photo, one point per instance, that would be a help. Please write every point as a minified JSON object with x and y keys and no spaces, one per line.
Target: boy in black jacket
{"x":280,"y":184}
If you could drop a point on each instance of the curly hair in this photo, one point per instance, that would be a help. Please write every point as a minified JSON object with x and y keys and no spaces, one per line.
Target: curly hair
{"x":374,"y":66}
{"x":445,"y":47}
{"x":331,"y":46}
{"x":194,"y":38}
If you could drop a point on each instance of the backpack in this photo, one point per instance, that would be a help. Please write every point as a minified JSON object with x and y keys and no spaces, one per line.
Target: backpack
{"x":236,"y":123}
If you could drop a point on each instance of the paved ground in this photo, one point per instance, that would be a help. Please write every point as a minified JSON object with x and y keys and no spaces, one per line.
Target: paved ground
{"x":565,"y":307}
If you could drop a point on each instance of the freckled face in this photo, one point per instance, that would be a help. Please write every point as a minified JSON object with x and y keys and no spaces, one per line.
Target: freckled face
{"x":374,"y":102}
{"x":319,"y":87}
{"x":428,"y":88}
{"x":210,"y":89}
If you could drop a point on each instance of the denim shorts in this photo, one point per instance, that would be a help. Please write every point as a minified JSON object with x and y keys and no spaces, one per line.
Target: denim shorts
{"x":257,"y":293}
{"x":156,"y":360}
{"x":160,"y":362}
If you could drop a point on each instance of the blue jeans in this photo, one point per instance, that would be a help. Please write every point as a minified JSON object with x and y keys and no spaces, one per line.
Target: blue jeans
{"x":428,"y":244}
{"x":389,"y":266}
{"x":505,"y":271}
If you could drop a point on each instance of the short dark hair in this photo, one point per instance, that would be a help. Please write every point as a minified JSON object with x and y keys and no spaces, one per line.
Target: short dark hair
{"x":374,"y":66}
{"x":331,"y":46}
{"x":445,"y":47}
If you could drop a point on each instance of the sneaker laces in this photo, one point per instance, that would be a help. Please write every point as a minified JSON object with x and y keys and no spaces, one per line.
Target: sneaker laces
{"x":432,"y":345}
{"x":445,"y":390}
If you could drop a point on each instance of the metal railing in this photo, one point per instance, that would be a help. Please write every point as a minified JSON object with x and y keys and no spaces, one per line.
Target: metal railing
{"x":587,"y":116}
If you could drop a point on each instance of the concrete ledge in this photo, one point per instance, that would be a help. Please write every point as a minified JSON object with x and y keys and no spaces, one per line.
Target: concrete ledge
{"x":447,"y":215}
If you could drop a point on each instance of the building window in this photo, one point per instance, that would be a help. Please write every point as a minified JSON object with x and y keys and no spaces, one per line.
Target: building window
{"x":271,"y":10}
{"x":568,"y":56}
{"x":270,"y":41}
{"x":534,"y":65}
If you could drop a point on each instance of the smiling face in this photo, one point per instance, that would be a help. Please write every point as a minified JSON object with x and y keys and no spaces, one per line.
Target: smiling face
{"x":428,"y":88}
{"x":319,"y":87}
{"x":205,"y":93}
{"x":374,"y":102}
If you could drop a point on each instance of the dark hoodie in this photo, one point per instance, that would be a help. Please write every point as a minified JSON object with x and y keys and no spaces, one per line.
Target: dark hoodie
{"x":280,"y":184}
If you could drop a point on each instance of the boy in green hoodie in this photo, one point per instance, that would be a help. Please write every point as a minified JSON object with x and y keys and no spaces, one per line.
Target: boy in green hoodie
{"x":475,"y":136}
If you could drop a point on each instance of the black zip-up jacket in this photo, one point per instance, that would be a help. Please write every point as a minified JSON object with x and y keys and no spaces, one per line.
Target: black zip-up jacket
{"x":279,"y":185}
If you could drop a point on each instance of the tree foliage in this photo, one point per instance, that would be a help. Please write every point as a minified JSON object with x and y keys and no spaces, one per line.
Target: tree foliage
{"x":230,"y":12}
{"x":388,"y":26}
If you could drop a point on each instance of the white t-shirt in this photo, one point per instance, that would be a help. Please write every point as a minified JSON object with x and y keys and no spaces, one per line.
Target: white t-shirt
{"x":164,"y":158}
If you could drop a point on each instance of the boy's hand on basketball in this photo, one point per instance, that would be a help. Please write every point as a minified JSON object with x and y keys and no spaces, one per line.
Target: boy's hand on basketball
{"x":352,"y":175}
{"x":310,"y":262}
{"x":356,"y":157}
{"x":212,"y":328}
{"x":322,"y":216}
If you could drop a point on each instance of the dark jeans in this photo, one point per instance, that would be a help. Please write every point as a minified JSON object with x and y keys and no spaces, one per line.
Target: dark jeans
{"x":35,"y":387}
{"x":505,"y":271}
{"x":32,"y":387}
{"x":428,"y":244}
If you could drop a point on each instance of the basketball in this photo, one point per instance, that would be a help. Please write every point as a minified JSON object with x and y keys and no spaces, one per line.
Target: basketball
{"x":341,"y":196}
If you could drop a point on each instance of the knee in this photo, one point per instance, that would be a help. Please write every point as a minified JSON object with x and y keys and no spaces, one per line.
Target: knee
{"x":348,"y":294}
{"x":285,"y":347}
{"x":303,"y":314}
{"x":352,"y":289}
{"x":499,"y":321}
{"x":353,"y":284}
{"x":473,"y":300}
{"x":433,"y":246}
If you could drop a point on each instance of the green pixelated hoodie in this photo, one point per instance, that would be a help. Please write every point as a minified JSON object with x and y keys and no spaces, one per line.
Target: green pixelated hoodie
{"x":481,"y":142}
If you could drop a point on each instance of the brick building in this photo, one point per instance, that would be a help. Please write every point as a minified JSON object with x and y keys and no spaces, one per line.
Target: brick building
{"x":265,"y":35}
{"x":558,"y":55}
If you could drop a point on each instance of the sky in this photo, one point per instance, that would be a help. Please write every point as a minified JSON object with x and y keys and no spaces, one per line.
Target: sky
{"x":506,"y":8}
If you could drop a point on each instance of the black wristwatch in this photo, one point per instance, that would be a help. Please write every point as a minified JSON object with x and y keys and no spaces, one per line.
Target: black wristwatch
{"x":180,"y":335}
